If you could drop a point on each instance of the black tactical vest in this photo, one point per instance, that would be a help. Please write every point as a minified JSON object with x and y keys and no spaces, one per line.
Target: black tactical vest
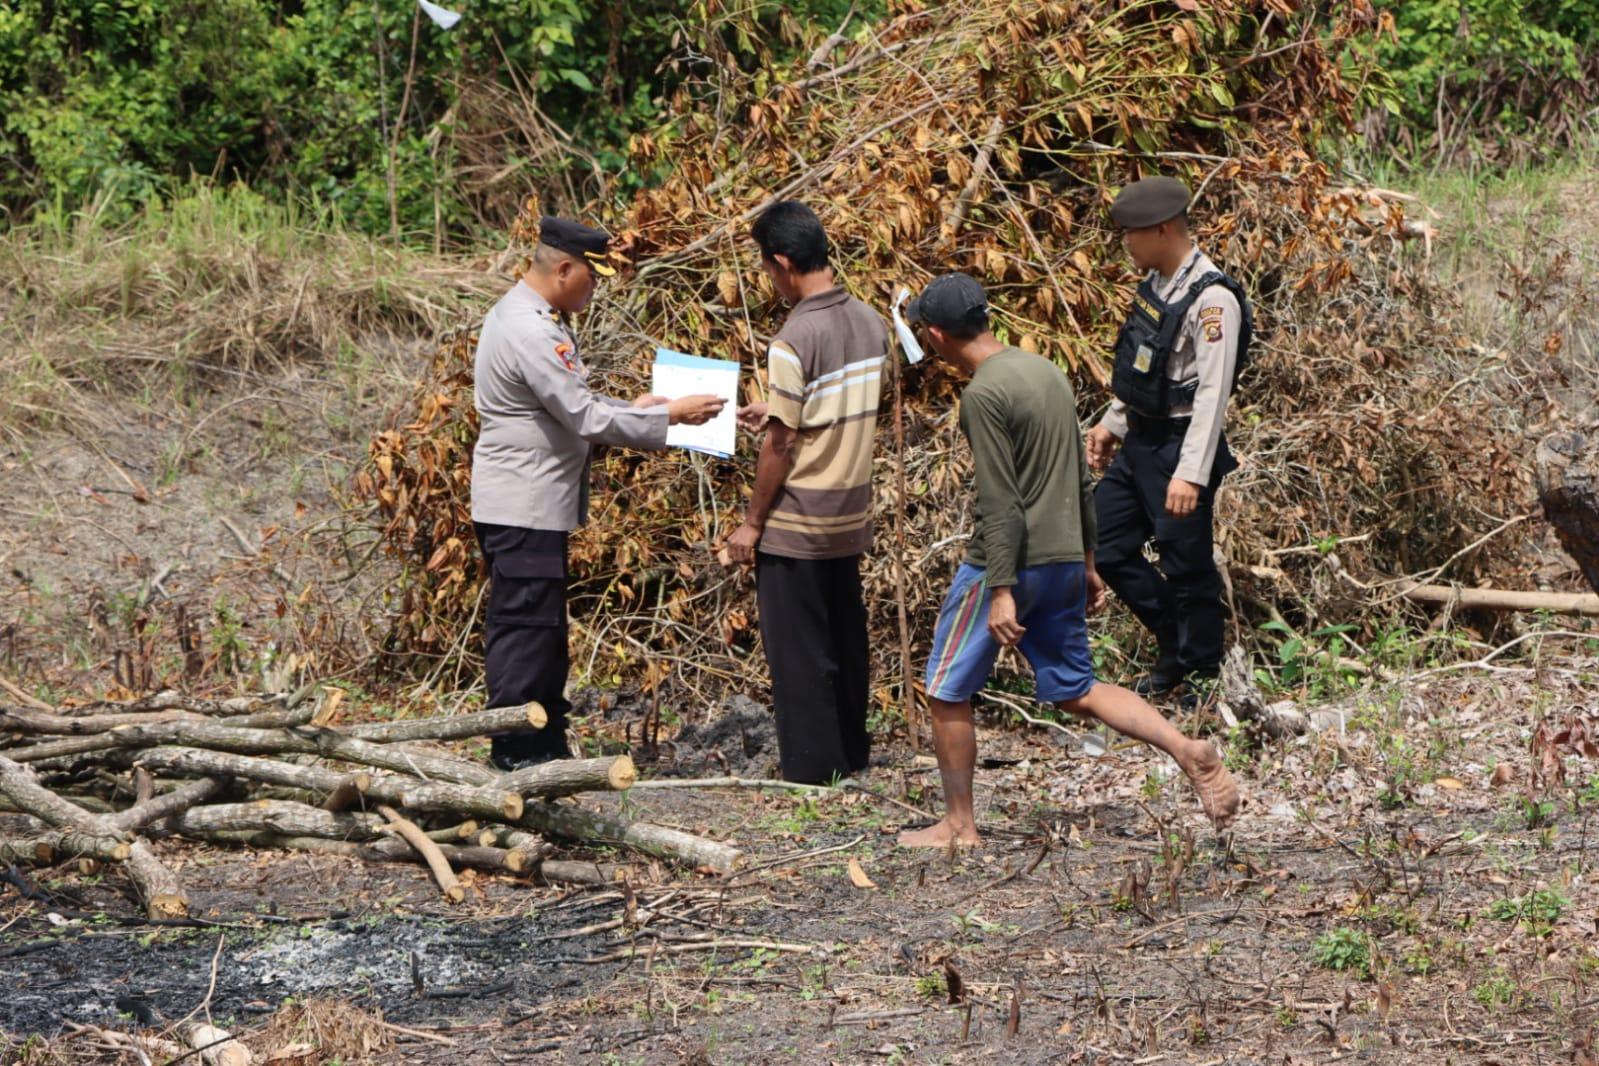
{"x":1147,"y":338}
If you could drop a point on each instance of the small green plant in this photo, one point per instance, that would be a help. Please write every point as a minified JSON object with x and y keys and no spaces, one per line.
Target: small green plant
{"x":1538,"y":911}
{"x":1498,"y":990}
{"x":932,"y":986}
{"x":1314,"y":664}
{"x":1344,"y":949}
{"x":1418,"y":962}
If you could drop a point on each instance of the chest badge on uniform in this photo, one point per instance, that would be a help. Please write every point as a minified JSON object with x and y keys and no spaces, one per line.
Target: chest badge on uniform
{"x":1142,"y":358}
{"x":563,"y":352}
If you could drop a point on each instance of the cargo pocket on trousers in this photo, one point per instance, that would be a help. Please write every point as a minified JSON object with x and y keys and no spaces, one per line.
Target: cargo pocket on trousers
{"x":527,"y":590}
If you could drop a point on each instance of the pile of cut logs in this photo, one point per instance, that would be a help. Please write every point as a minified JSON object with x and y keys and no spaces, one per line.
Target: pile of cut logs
{"x":104,"y":782}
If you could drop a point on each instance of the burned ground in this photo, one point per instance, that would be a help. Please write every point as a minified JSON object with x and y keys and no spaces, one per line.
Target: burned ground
{"x":1399,"y":890}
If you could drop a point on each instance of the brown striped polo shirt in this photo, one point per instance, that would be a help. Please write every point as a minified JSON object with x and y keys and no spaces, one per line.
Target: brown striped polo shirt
{"x":824,"y":371}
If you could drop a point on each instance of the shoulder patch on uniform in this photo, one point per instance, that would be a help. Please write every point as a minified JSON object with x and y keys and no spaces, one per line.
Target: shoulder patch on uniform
{"x":1208,"y":313}
{"x":563,"y":352}
{"x":1213,"y":330}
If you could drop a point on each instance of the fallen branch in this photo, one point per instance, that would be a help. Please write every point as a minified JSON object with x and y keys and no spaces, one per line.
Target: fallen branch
{"x":732,"y":782}
{"x":455,"y":727}
{"x":575,"y":823}
{"x":562,"y":777}
{"x":437,"y":863}
{"x":491,"y":803}
{"x":1583,"y":603}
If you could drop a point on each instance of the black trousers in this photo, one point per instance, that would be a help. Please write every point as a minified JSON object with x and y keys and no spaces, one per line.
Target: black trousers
{"x":1180,"y":602}
{"x":525,"y":654}
{"x":813,"y":624}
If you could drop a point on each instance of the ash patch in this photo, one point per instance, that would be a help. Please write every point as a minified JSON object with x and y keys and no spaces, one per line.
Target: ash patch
{"x":741,"y":740}
{"x":469,"y":969}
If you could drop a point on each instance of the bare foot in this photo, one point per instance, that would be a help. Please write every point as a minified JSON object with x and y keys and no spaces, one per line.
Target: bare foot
{"x":939,"y":836}
{"x":1218,"y":792}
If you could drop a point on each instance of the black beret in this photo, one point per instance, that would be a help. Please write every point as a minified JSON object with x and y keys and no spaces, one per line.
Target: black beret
{"x":574,"y":238}
{"x":1149,"y":202}
{"x":950,"y":302}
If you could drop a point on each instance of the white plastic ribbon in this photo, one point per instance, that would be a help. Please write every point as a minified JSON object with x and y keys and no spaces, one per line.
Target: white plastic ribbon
{"x":442,"y":17}
{"x":907,"y":337}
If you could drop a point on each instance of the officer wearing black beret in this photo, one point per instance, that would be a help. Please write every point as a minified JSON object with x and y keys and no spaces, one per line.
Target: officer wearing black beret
{"x":538,"y":422}
{"x":1177,"y":356}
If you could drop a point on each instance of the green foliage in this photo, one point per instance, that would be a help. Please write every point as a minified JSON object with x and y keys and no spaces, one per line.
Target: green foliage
{"x":112,"y":99}
{"x":1315,"y":663}
{"x":1492,"y":63}
{"x":1498,"y":990}
{"x":1344,"y":949}
{"x":1538,"y":911}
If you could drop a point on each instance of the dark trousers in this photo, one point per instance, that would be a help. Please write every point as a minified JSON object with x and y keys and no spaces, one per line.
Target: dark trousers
{"x":813,"y":624}
{"x":525,"y":655}
{"x":1180,"y":602}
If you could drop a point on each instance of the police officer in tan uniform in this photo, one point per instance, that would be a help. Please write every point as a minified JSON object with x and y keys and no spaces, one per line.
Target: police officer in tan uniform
{"x":1177,"y":356}
{"x":539,"y":421}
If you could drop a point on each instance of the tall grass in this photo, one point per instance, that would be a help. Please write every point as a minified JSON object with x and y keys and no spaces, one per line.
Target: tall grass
{"x":204,"y":283}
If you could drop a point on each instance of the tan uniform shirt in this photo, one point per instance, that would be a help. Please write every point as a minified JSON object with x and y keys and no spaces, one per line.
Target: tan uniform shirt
{"x":1206,"y":351}
{"x":538,"y":419}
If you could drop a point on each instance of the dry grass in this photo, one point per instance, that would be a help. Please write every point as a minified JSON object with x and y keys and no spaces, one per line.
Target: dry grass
{"x":210,"y":286}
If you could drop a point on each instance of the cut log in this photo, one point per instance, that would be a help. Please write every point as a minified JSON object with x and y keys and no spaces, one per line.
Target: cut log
{"x":216,"y":1047}
{"x":171,"y":700}
{"x":563,"y":777}
{"x":110,"y":738}
{"x":535,"y":847}
{"x":1568,"y":487}
{"x":1584,"y":603}
{"x":575,"y":823}
{"x":43,"y":723}
{"x":580,"y":873}
{"x":492,"y":803}
{"x":56,"y":749}
{"x":61,"y":845}
{"x":389,"y":850}
{"x":18,"y":782}
{"x":307,"y":740}
{"x":281,"y":817}
{"x":351,"y":792}
{"x":456,"y":726}
{"x":167,"y":804}
{"x":412,"y":834}
{"x":158,"y":887}
{"x":39,"y":851}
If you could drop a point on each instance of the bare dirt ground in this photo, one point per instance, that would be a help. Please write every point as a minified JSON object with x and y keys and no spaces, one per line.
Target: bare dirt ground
{"x":1392,"y":895}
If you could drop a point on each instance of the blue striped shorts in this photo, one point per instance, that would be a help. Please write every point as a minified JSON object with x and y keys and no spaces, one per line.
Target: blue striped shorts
{"x":1051,"y":604}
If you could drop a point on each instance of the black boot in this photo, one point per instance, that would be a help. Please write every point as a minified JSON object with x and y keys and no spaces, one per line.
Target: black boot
{"x":1166,"y":676}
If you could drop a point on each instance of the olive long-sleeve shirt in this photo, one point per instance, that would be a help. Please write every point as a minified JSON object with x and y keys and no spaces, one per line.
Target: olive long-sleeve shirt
{"x":1035,"y":502}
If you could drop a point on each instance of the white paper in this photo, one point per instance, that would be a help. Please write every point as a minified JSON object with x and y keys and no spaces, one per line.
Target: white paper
{"x":442,"y":17}
{"x":907,"y":336}
{"x":676,"y":375}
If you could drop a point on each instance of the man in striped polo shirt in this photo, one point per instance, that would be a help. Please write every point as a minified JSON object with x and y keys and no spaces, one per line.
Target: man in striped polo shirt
{"x":810,"y":515}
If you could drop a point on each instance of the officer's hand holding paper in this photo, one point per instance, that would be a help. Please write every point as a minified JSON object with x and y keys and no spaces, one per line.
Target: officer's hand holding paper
{"x":706,"y":392}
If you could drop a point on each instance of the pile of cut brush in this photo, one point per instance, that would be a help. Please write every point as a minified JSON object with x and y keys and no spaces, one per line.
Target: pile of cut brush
{"x":988,"y":136}
{"x":105,"y":782}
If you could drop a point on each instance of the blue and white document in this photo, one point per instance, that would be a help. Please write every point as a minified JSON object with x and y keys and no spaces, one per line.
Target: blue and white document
{"x":676,"y":375}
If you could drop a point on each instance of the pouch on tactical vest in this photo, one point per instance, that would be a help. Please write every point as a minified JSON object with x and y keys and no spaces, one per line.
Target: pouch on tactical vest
{"x":1145,"y":343}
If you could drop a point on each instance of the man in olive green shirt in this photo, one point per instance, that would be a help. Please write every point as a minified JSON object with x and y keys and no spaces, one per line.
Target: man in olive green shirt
{"x":1030,"y":570}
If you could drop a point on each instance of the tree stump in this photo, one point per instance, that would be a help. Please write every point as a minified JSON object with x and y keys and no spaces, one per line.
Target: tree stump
{"x":1568,"y":487}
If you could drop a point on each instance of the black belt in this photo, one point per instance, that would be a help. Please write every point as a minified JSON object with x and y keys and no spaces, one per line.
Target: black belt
{"x":1149,"y":424}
